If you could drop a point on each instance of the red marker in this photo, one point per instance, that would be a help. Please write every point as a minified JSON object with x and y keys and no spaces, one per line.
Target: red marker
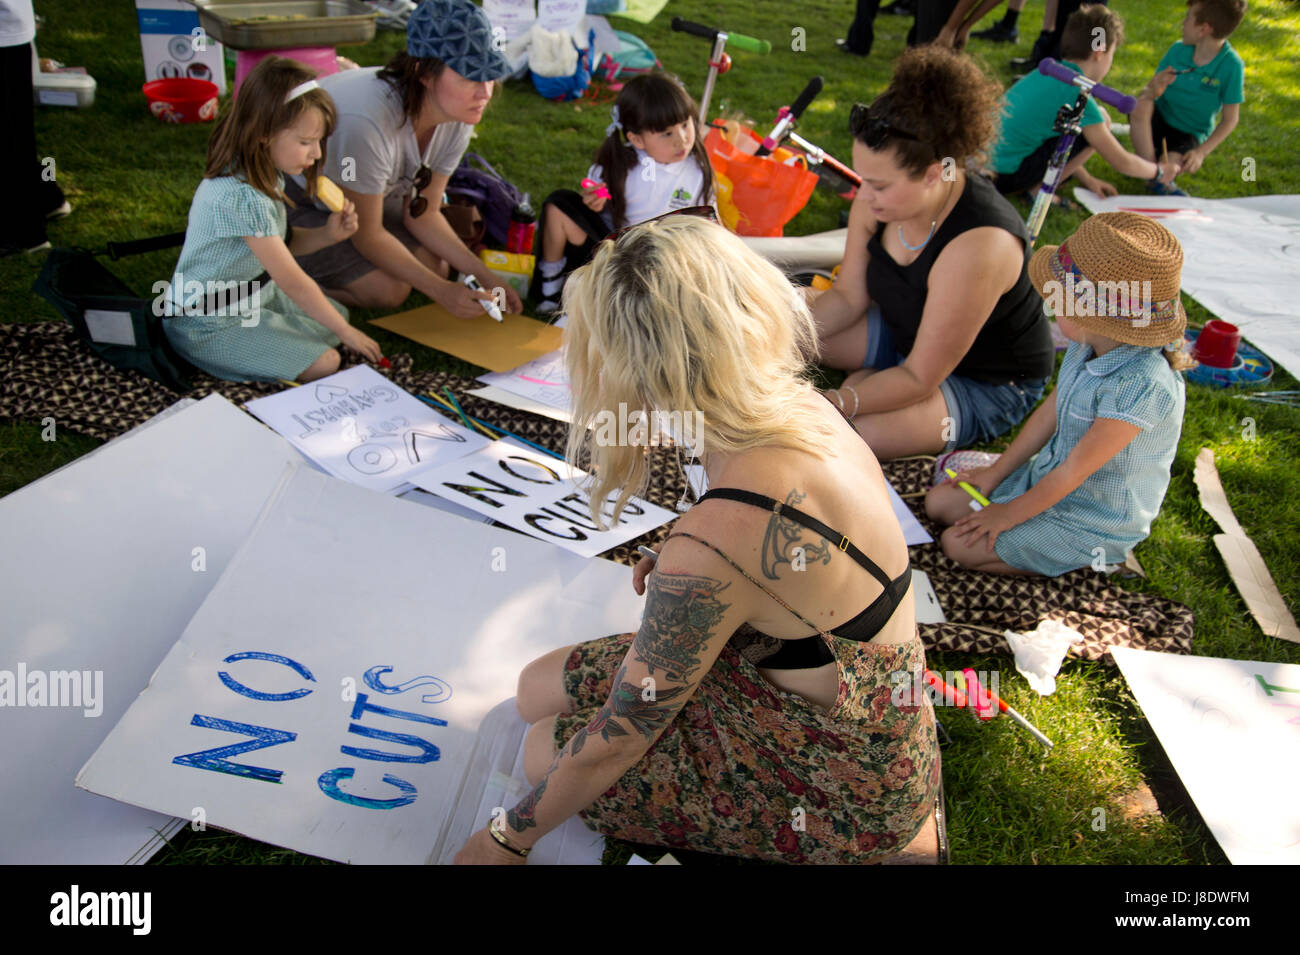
{"x":384,"y":362}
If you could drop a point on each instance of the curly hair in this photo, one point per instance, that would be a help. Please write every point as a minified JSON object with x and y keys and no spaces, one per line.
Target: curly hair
{"x":946,"y":101}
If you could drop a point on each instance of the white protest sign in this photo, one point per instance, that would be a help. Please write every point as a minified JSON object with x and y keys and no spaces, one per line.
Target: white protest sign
{"x":327,"y":694}
{"x":1231,"y":729}
{"x":1241,"y":260}
{"x":102,"y":563}
{"x":535,"y":494}
{"x":544,"y":380}
{"x":360,"y":427}
{"x":562,"y":15}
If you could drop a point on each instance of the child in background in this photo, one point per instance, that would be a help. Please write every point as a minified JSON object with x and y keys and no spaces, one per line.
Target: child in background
{"x":286,"y":328}
{"x":1085,"y":477}
{"x":651,"y":162}
{"x":1028,"y":137}
{"x":1198,"y":76}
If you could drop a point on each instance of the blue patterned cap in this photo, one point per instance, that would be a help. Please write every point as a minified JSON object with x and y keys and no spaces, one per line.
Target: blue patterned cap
{"x":458,"y":33}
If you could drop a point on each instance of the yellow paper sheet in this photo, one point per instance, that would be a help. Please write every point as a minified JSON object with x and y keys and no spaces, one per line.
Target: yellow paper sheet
{"x":481,"y":340}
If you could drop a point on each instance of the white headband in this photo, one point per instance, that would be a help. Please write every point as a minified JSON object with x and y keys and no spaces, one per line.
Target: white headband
{"x":300,"y":89}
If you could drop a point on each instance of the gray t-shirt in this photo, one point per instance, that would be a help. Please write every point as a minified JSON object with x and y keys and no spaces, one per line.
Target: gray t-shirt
{"x":373,"y":148}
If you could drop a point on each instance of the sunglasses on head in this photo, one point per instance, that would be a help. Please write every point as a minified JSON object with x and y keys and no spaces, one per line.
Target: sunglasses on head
{"x":421,"y":182}
{"x":702,"y":212}
{"x":875,"y":130}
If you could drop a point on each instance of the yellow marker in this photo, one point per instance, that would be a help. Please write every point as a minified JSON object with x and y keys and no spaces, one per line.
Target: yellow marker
{"x":970,"y":489}
{"x":330,"y":194}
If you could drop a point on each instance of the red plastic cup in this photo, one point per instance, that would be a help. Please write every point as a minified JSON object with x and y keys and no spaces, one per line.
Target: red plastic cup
{"x":1216,"y":346}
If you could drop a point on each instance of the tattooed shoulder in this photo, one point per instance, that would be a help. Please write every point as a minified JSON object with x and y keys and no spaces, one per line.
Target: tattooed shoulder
{"x":681,"y":614}
{"x":784,"y":543}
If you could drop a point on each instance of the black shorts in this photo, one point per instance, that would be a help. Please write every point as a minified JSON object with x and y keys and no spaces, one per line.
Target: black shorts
{"x":594,"y":224}
{"x":1030,"y":171}
{"x":1162,"y":133}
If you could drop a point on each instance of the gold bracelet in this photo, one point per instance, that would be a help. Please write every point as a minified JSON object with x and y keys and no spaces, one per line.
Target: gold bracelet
{"x":500,"y":837}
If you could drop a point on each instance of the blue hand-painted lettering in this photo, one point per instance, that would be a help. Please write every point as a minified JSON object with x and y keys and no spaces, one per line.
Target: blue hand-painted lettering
{"x":243,"y":690}
{"x":329,"y":785}
{"x":215,"y":759}
{"x":374,"y":681}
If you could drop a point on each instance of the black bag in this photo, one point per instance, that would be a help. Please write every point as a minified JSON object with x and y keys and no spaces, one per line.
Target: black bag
{"x":119,"y":326}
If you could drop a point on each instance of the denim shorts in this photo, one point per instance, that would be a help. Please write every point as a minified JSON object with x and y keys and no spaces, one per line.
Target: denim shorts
{"x":981,"y":411}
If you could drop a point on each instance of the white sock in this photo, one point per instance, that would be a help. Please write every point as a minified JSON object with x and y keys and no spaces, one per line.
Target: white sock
{"x":550,"y":270}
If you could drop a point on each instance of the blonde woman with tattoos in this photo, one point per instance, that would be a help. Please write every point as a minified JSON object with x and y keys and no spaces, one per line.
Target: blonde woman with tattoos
{"x":761,"y":709}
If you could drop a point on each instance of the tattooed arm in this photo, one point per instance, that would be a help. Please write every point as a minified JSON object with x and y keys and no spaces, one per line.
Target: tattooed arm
{"x":692,"y":608}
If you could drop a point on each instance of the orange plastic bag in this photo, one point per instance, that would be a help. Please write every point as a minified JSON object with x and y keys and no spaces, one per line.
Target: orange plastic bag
{"x":756,"y":195}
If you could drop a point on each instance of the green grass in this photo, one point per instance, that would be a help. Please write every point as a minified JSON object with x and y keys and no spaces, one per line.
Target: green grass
{"x":130,"y":176}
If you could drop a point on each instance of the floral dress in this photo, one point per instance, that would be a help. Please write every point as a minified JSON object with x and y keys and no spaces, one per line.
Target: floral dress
{"x":749,"y":770}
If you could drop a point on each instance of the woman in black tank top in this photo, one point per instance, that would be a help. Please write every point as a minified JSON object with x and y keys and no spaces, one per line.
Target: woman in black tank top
{"x":933,"y":313}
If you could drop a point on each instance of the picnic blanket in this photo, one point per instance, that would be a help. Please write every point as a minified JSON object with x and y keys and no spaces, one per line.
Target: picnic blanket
{"x":46,"y":371}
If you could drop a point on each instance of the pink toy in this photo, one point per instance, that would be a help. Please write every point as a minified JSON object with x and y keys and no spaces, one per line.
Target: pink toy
{"x":602,"y":193}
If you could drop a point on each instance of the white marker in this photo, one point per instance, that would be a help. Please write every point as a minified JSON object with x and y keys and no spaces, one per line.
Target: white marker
{"x":489,"y":306}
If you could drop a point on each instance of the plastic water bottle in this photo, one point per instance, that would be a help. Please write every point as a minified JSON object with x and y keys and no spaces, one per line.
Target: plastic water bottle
{"x":523,"y":228}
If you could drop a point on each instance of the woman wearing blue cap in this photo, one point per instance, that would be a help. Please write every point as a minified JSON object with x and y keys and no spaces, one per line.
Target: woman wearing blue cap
{"x":401,"y":133}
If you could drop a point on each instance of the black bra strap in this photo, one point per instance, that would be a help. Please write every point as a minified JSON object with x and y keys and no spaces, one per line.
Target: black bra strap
{"x":747,"y":576}
{"x":799,"y":517}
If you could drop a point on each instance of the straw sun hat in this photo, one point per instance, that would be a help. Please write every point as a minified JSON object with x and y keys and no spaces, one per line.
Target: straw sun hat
{"x":1118,"y":276}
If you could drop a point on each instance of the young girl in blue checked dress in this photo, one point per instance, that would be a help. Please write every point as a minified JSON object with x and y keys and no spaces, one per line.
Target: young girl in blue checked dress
{"x":1082,"y":482}
{"x":239,"y":307}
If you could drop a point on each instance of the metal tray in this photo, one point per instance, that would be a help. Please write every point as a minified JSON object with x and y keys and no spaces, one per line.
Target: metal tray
{"x":296,"y":23}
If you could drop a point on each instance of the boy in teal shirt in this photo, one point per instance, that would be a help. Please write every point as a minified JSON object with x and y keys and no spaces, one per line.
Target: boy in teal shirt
{"x":1200,"y":75}
{"x":1028,"y":138}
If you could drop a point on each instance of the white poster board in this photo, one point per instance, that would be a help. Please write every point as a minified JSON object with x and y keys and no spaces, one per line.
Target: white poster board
{"x":362,"y":428}
{"x":536,"y":494}
{"x":1231,"y":729}
{"x":362,"y":640}
{"x":544,"y":380}
{"x":102,"y":564}
{"x":1241,"y":260}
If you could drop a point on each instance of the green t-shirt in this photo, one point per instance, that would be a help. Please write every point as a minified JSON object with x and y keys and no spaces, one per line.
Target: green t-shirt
{"x":1193,"y":100}
{"x":1029,"y":117}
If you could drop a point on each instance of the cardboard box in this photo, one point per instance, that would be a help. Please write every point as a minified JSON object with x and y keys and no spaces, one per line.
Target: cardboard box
{"x":516,"y":268}
{"x":174,"y":45}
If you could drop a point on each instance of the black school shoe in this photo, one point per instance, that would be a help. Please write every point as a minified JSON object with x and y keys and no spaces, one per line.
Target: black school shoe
{"x":843,"y":46}
{"x":8,"y":248}
{"x":998,"y":33}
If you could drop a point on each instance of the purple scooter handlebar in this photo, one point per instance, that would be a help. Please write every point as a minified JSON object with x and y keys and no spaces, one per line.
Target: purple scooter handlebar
{"x":1058,"y":71}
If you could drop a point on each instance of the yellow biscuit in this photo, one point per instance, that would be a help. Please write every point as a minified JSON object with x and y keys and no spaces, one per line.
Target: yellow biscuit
{"x":329,"y":194}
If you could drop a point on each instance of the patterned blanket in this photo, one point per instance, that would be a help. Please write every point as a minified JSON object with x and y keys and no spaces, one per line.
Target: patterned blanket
{"x":46,"y":371}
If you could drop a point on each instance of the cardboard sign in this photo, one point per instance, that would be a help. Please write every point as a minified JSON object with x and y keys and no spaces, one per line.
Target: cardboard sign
{"x":498,"y":346}
{"x":102,"y":564}
{"x":362,"y":428}
{"x":537,"y":495}
{"x":328,"y":693}
{"x":1231,"y":729}
{"x":1245,"y":564}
